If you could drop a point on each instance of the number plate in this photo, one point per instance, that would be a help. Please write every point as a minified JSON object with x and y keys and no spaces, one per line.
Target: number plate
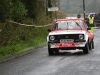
{"x":66,"y":40}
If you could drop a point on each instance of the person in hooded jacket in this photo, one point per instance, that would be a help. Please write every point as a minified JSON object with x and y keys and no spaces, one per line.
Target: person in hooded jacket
{"x":91,"y":21}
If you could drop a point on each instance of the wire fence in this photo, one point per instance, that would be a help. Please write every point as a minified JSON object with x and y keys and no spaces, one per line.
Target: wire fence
{"x":14,"y":32}
{"x":30,"y":25}
{"x":27,"y":25}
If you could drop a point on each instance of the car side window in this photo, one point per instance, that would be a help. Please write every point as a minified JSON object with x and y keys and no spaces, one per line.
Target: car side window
{"x":87,"y":26}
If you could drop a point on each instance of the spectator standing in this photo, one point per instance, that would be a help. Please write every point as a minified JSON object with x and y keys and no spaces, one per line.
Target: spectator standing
{"x":87,"y":19}
{"x":97,"y":19}
{"x":91,"y":21}
{"x":78,"y":16}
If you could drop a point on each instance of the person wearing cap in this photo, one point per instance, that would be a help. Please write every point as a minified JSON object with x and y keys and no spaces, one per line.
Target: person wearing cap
{"x":78,"y":16}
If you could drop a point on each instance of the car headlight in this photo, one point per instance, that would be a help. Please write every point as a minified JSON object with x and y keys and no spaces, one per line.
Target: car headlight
{"x":81,"y":36}
{"x":52,"y":38}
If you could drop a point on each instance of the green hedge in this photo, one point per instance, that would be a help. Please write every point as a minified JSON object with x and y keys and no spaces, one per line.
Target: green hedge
{"x":16,"y":39}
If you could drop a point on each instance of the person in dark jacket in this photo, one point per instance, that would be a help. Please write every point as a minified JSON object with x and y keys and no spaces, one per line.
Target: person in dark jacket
{"x":87,"y":19}
{"x":97,"y":19}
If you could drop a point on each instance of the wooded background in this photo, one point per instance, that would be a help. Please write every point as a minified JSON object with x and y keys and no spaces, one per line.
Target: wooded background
{"x":19,"y":10}
{"x":31,"y":12}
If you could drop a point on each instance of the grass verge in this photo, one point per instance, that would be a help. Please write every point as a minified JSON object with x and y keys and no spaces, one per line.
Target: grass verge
{"x":21,"y":47}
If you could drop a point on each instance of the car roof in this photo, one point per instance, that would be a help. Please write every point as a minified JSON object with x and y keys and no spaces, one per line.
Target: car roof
{"x":70,"y":20}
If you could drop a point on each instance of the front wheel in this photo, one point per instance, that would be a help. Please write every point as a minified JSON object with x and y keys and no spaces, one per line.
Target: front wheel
{"x":86,"y":48}
{"x":50,"y":50}
{"x":56,"y":51}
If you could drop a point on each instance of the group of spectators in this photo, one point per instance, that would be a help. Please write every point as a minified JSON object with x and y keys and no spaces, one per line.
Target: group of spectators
{"x":93,"y":20}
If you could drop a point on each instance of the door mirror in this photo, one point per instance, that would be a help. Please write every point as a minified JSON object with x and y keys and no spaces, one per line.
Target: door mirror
{"x":88,"y":28}
{"x":49,"y":30}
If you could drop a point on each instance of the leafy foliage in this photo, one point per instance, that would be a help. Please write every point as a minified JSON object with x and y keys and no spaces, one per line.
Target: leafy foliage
{"x":4,"y":10}
{"x":18,"y":10}
{"x":24,"y":40}
{"x":31,"y":6}
{"x":14,"y":38}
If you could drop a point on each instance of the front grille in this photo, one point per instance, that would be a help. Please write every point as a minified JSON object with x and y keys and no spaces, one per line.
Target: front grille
{"x":67,"y":36}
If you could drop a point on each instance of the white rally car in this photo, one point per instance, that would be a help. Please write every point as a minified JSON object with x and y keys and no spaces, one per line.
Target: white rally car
{"x":70,"y":34}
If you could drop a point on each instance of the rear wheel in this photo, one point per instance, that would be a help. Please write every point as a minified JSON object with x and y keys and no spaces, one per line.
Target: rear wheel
{"x":92,"y":44}
{"x":86,"y":48}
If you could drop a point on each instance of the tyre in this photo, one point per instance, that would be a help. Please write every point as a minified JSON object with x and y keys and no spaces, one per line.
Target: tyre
{"x":50,"y":50}
{"x":86,"y":48}
{"x":92,"y":44}
{"x":56,"y":51}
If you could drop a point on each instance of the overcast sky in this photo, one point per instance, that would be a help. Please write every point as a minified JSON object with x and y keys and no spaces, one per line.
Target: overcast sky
{"x":76,"y":6}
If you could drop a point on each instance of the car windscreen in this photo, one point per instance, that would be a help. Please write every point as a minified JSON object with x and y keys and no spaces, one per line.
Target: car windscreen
{"x":68,"y":25}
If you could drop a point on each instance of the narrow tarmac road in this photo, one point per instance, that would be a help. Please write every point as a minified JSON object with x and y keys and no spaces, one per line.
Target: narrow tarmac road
{"x":65,"y":63}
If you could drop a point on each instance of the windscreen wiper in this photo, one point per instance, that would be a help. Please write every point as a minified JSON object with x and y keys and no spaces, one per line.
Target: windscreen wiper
{"x":68,"y":26}
{"x":78,"y":25}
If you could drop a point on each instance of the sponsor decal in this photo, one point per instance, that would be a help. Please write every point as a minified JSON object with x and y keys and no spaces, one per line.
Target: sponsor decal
{"x":67,"y":45}
{"x":77,"y":45}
